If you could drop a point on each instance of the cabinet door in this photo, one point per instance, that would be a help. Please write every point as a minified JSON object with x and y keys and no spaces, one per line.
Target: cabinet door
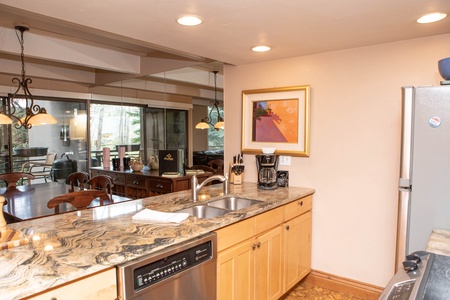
{"x":297,"y":249}
{"x":235,"y":272}
{"x":269,"y":264}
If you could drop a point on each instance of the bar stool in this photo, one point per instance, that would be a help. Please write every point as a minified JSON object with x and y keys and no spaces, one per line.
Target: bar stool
{"x":12,"y":178}
{"x":79,"y":179}
{"x":79,"y":199}
{"x":102,"y":182}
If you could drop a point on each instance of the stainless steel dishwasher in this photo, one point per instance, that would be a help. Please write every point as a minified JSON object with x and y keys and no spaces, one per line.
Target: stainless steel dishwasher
{"x":184,"y":271}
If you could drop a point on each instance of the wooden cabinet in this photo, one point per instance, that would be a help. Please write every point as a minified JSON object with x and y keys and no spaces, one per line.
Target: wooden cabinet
{"x":99,"y":286}
{"x":118,"y":180}
{"x":297,"y":249}
{"x":269,"y":265}
{"x":159,"y":186}
{"x":235,"y":272}
{"x":264,"y":256}
{"x":138,"y":185}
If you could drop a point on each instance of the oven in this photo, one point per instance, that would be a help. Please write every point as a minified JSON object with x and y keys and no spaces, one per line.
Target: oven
{"x":184,"y":271}
{"x":424,"y":275}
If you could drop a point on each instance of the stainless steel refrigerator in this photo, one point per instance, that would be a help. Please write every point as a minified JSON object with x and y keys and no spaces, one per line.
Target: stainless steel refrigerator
{"x":424,"y":185}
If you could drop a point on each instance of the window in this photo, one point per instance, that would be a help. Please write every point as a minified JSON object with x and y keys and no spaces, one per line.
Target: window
{"x":166,"y":130}
{"x":215,"y":137}
{"x":112,"y":126}
{"x":68,"y":136}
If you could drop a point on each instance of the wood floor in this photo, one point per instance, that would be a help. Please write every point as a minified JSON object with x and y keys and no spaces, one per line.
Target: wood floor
{"x":308,"y":291}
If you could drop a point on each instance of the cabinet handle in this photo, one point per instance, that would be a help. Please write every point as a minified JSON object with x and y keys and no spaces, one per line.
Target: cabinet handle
{"x":258,"y":244}
{"x":253,"y":246}
{"x":287,"y":227}
{"x":116,"y":179}
{"x":159,"y":186}
{"x":300,"y":203}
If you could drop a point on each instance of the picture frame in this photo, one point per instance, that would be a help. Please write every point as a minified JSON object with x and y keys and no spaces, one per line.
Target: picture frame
{"x":276,"y":118}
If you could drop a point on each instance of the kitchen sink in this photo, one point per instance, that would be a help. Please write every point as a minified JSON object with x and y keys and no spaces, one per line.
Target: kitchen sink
{"x":204,"y":211}
{"x":233,"y":203}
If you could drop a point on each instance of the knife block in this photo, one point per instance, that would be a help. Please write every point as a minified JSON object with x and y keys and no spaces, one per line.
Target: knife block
{"x":236,"y":179}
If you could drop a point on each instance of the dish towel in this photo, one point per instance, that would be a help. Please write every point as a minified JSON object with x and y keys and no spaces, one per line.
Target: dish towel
{"x":158,"y":216}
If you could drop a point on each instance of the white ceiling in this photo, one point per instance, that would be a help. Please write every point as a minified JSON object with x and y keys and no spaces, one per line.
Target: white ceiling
{"x":231,"y":27}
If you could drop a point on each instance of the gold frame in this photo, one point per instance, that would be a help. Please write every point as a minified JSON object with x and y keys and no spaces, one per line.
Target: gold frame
{"x":302,"y":94}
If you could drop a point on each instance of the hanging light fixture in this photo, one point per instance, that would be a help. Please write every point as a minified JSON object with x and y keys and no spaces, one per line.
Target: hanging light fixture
{"x":206,"y":122}
{"x":34,"y":114}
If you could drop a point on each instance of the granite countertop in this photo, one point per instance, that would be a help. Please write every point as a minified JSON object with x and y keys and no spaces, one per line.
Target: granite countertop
{"x":72,"y":245}
{"x":439,"y":242}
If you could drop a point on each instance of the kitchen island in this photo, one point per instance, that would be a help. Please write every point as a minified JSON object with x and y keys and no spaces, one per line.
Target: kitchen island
{"x":70,"y":246}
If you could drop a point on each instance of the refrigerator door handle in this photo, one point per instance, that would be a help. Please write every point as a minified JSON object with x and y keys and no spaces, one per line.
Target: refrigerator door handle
{"x":404,"y":184}
{"x":402,"y":227}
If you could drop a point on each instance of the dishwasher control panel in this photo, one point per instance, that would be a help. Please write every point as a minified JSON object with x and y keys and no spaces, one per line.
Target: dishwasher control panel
{"x":168,"y":266}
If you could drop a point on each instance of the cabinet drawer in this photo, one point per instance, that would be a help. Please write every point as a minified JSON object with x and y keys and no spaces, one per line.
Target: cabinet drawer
{"x":160,"y":186}
{"x":100,"y":286}
{"x":117,"y":178}
{"x":138,"y":180}
{"x":297,"y":207}
{"x":269,"y":219}
{"x":235,"y":233}
{"x":96,"y":173}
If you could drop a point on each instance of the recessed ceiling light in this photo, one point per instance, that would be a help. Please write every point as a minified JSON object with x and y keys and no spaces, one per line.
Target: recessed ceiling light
{"x":261,"y":48}
{"x":189,"y":20}
{"x":430,"y":18}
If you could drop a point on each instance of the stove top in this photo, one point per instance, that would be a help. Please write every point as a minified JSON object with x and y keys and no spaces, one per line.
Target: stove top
{"x":438,"y":283}
{"x":426,"y":276}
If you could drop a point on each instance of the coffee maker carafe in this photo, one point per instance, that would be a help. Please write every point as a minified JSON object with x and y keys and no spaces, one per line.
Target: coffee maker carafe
{"x":267,"y":165}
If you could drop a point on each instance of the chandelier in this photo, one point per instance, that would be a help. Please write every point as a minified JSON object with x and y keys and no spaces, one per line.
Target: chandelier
{"x":34,"y":114}
{"x":206,"y":122}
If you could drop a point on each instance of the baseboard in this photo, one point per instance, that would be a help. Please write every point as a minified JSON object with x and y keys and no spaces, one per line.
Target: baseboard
{"x":344,"y":285}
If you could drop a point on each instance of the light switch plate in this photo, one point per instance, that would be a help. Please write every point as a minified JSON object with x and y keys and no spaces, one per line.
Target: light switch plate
{"x":285,"y":160}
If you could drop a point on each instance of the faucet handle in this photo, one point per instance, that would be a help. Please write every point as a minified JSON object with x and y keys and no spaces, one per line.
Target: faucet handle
{"x":226,"y":184}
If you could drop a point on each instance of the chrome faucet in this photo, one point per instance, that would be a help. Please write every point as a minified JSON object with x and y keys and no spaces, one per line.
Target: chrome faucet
{"x":195,"y":187}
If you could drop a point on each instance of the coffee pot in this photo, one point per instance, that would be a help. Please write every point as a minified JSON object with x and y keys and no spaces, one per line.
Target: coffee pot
{"x":267,"y":165}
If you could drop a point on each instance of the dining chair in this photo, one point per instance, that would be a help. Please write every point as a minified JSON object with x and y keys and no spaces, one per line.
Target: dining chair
{"x":79,"y":179}
{"x":12,"y":178}
{"x":102,"y":182}
{"x":79,"y":199}
{"x":40,"y":169}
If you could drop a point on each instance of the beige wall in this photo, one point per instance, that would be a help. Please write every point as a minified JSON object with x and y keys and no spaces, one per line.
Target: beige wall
{"x":355,"y":143}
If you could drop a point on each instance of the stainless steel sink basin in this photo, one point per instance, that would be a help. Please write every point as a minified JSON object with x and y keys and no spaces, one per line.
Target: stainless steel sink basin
{"x":204,"y":211}
{"x":233,"y":203}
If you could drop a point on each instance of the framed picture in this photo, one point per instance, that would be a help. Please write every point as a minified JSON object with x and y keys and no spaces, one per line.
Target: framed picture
{"x":276,"y":118}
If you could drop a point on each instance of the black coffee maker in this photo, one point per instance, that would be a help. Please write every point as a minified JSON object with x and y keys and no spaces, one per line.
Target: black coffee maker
{"x":267,"y":165}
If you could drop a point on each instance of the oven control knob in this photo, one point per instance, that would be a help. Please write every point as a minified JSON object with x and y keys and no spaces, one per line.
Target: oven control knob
{"x":410,"y":265}
{"x":413,"y":257}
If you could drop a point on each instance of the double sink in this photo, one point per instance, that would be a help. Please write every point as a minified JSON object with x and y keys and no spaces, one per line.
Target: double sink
{"x":219,"y":207}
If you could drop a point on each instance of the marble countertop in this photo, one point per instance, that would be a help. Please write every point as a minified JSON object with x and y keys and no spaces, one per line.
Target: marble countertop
{"x":72,"y":245}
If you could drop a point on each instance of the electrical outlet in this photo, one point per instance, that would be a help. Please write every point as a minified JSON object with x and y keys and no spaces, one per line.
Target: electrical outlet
{"x":285,"y":160}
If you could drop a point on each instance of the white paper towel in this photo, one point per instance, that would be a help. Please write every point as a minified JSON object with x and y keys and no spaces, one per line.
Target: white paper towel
{"x":158,"y":216}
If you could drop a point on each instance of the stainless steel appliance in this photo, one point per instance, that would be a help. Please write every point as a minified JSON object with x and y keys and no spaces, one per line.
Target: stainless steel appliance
{"x":424,"y":197}
{"x":424,"y":276}
{"x":267,"y":165}
{"x":185,"y":271}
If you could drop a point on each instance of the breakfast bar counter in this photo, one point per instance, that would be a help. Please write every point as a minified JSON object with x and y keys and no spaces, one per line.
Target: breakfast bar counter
{"x":73,"y":245}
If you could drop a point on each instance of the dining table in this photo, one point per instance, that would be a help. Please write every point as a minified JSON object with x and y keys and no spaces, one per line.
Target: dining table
{"x":27,"y":202}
